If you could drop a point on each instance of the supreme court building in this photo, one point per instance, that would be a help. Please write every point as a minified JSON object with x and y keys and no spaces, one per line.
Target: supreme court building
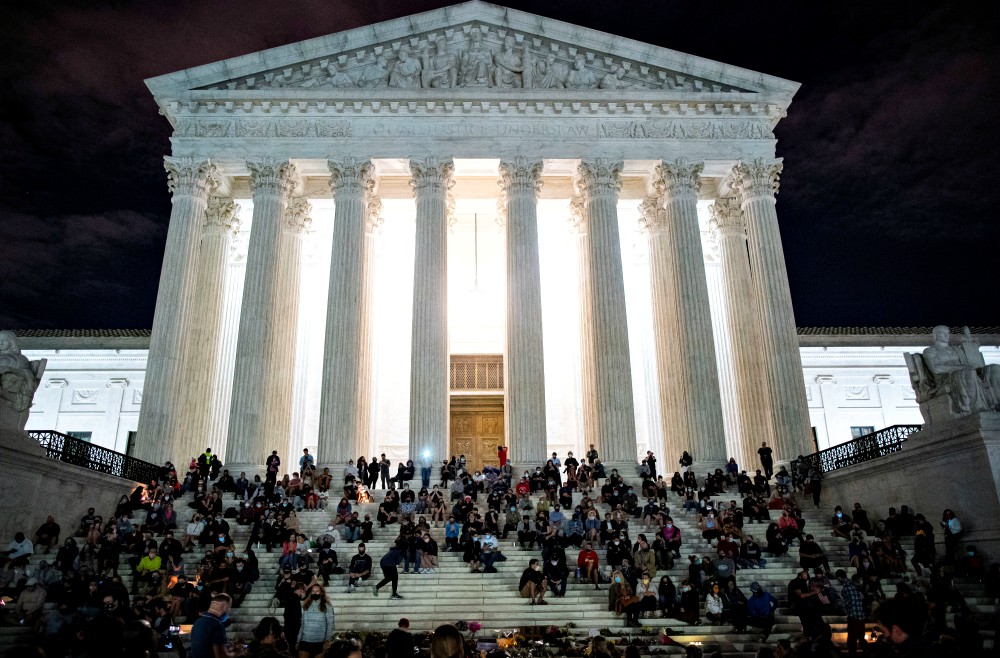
{"x":468,"y":227}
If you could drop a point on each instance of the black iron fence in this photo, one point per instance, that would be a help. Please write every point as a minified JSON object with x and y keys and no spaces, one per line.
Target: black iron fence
{"x":864,"y":448}
{"x":74,"y":451}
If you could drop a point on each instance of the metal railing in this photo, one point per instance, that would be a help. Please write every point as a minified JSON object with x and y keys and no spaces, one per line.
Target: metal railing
{"x":864,"y":448}
{"x":75,"y":451}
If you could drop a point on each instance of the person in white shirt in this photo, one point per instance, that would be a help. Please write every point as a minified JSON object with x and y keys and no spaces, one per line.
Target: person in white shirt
{"x":350,"y":472}
{"x":19,"y":550}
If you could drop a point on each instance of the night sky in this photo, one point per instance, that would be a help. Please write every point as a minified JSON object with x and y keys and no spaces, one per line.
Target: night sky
{"x":888,"y":203}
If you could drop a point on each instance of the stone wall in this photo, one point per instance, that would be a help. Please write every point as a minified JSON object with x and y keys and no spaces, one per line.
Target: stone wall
{"x":32,"y":486}
{"x":956,"y":467}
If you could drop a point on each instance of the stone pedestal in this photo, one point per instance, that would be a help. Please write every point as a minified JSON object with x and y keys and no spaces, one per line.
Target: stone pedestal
{"x":954,"y":465}
{"x":598,"y":183}
{"x":756,"y":184}
{"x":340,"y":417}
{"x":429,"y":389}
{"x":691,"y":407}
{"x":190,"y":183}
{"x":520,"y":181}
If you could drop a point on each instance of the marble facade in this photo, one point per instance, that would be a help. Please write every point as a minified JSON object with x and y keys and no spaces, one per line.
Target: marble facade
{"x":438,"y":107}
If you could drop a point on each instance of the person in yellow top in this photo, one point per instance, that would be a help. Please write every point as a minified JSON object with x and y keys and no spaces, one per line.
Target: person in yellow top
{"x":147,"y":566}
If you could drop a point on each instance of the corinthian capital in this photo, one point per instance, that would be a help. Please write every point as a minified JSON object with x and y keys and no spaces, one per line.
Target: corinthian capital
{"x":756,"y":179}
{"x":652,"y":216}
{"x":676,"y":179}
{"x":432,"y":175}
{"x":601,"y":177}
{"x":221,"y":215}
{"x":727,"y":216}
{"x":577,"y":215}
{"x":298,"y":216}
{"x":351,"y":176}
{"x":190,"y":177}
{"x":273,"y":177}
{"x":520,"y":176}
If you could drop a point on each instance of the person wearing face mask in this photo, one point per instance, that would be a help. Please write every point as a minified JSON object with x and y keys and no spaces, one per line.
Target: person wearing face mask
{"x":648,"y":594}
{"x":618,"y":551}
{"x":840,"y":524}
{"x":689,"y":607}
{"x":709,"y":526}
{"x":145,"y":569}
{"x":208,"y":635}
{"x":360,"y":568}
{"x":317,"y":624}
{"x":532,"y":585}
{"x":556,"y":573}
{"x":241,"y":580}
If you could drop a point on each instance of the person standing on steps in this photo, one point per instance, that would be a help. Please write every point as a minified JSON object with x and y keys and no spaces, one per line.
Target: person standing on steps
{"x":390,"y":569}
{"x":384,"y":465}
{"x":273,"y":463}
{"x":502,"y":455}
{"x":815,"y":482}
{"x":766,"y":459}
{"x":651,"y":462}
{"x":592,"y":455}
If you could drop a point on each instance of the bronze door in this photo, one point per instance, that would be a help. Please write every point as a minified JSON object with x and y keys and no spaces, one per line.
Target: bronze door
{"x":477,"y":429}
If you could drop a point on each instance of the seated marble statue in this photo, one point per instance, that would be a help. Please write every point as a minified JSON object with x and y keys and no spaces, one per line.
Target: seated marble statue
{"x":972,"y":384}
{"x":19,"y":380}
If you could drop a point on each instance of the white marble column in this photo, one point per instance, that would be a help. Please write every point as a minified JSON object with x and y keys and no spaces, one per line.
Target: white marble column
{"x":524,"y":406}
{"x":429,"y":387}
{"x":753,"y":424}
{"x":263,"y":374}
{"x":756,"y":184}
{"x":190,"y":182}
{"x":598,"y":183}
{"x":588,"y":385}
{"x":340,"y":404}
{"x":691,"y":406}
{"x":202,"y":358}
{"x":366,"y":389}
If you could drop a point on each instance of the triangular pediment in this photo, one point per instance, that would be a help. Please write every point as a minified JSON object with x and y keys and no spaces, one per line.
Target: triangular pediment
{"x":472,"y":48}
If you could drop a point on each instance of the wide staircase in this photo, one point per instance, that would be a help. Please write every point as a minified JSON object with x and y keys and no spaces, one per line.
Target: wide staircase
{"x":454,"y":594}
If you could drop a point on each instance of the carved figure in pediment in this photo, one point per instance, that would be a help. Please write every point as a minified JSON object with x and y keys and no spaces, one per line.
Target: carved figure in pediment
{"x":617,"y":80}
{"x":406,"y":72}
{"x":476,"y":62}
{"x":550,"y":74}
{"x":339,"y":77}
{"x":581,"y":77}
{"x":509,"y":70}
{"x":440,"y":66}
{"x":375,"y":74}
{"x":316,"y":77}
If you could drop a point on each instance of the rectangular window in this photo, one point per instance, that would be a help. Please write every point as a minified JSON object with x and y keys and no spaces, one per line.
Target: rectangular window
{"x":83,"y":436}
{"x":858,"y":431}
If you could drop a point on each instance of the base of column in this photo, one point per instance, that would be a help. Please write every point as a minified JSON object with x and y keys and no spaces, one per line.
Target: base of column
{"x":628,"y":470}
{"x":250,"y":469}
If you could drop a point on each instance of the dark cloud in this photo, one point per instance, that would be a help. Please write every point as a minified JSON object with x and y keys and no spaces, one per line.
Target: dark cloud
{"x":887,"y":200}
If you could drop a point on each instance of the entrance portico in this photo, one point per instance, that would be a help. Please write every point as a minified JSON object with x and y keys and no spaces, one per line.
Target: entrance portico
{"x":321,"y":149}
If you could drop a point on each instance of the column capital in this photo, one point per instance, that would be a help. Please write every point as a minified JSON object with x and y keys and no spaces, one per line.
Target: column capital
{"x":727,"y":217}
{"x":601,"y":177}
{"x":222,"y":216}
{"x":676,"y":179}
{"x":520,"y":176}
{"x":190,"y":177}
{"x":652,"y":216}
{"x":273,"y":177}
{"x":432,"y":175}
{"x":351,"y":176}
{"x":756,"y":179}
{"x":577,"y":217}
{"x":297,"y":216}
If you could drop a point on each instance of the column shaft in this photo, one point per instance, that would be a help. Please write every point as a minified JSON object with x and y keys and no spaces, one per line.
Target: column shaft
{"x":520,"y":181}
{"x":340,"y":413}
{"x":222,"y":389}
{"x":599,"y":182}
{"x":263,"y":375}
{"x":191,"y":183}
{"x":207,"y":328}
{"x":682,"y":321}
{"x":429,"y":387}
{"x":588,"y":350}
{"x":366,"y":388}
{"x":757,"y":183}
{"x":752,"y":398}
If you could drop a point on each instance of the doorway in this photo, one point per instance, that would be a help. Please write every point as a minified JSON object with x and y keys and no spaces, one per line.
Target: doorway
{"x":476,"y":428}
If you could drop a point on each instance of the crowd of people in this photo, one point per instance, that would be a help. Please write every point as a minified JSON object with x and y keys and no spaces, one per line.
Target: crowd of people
{"x":79,"y":604}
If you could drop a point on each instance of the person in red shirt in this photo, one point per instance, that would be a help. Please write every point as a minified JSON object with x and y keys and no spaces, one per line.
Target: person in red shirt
{"x":588,"y":563}
{"x":523,"y":487}
{"x":502,"y":455}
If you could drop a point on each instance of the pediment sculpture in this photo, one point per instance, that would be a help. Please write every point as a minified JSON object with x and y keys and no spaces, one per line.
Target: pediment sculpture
{"x":953,"y":381}
{"x":474,"y":56}
{"x":19,"y":380}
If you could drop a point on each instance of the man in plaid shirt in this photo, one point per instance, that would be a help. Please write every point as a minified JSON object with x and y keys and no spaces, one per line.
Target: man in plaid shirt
{"x":853,"y":603}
